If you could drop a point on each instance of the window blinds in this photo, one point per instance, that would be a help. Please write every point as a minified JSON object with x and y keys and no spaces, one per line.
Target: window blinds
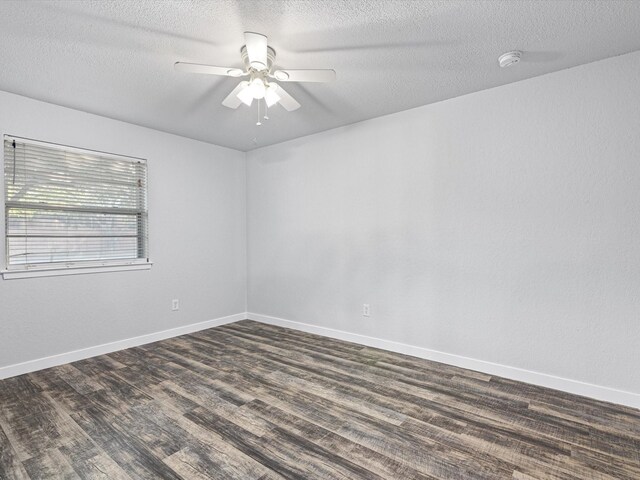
{"x":66,"y":207}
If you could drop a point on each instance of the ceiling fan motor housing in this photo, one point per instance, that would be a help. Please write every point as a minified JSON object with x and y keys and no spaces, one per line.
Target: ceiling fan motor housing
{"x":271,"y":57}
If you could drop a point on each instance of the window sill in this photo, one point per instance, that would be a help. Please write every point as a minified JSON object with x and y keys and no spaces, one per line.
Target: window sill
{"x":54,"y":272}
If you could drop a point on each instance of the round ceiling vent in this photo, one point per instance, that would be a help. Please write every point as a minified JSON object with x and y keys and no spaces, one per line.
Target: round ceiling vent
{"x":510,"y":58}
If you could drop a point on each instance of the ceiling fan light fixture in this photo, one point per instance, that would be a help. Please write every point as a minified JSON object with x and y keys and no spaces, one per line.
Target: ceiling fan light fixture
{"x":258,"y":60}
{"x":270,"y":96}
{"x":258,"y":88}
{"x":246,"y":96}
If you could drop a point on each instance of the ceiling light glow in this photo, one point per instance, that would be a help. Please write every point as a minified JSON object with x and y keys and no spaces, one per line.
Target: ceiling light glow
{"x":257,"y":87}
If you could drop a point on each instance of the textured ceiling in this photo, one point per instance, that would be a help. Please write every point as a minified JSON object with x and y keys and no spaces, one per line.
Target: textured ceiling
{"x":115,"y":58}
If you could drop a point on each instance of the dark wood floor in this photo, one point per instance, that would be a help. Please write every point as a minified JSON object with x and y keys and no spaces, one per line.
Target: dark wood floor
{"x":252,"y":401}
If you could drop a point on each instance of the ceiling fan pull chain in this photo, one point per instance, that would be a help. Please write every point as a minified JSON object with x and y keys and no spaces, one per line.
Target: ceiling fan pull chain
{"x":266,"y":110}
{"x":258,"y":123}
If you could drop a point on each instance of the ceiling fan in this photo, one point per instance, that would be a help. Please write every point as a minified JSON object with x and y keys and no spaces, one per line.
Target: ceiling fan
{"x":258,"y":59}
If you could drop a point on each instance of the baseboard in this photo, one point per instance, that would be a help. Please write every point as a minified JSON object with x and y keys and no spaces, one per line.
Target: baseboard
{"x":536,"y":378}
{"x":542,"y":379}
{"x":68,"y":357}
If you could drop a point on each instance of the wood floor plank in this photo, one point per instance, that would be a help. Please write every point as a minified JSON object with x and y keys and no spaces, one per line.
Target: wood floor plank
{"x":379,"y":464}
{"x":212,"y":452}
{"x":50,"y":464}
{"x":191,"y":463}
{"x":496,"y":410}
{"x":124,"y":447}
{"x":91,"y":462}
{"x":287,"y":454}
{"x":79,"y":381}
{"x":415,"y":383}
{"x":380,"y":436}
{"x":10,"y":466}
{"x":30,"y":434}
{"x":58,"y":389}
{"x":259,"y":402}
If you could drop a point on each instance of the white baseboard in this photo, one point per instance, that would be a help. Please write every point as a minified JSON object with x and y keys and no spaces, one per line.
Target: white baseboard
{"x":68,"y":357}
{"x":567,"y":385}
{"x":551,"y":381}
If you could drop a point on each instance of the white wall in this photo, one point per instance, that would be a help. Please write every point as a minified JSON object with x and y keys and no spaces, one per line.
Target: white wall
{"x":197,"y":242}
{"x":502,"y":226}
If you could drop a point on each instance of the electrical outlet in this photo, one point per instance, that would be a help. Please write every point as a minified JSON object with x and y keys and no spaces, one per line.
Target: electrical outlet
{"x":175,"y":304}
{"x":366,"y":311}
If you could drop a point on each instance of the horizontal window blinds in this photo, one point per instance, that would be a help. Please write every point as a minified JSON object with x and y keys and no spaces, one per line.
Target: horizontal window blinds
{"x":71,"y":207}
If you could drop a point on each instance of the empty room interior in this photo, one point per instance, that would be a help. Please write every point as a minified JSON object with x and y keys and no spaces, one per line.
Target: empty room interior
{"x":290,"y":239}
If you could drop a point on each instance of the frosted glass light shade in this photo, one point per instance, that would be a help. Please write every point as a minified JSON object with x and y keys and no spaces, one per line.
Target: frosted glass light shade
{"x":270,"y":96}
{"x":246,"y":96}
{"x":257,"y":88}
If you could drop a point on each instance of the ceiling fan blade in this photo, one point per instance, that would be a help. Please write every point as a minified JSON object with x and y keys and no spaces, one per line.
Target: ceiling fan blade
{"x":305,"y":75}
{"x":208,"y":69}
{"x":287,"y":101}
{"x":256,"y":49}
{"x":232,"y":100}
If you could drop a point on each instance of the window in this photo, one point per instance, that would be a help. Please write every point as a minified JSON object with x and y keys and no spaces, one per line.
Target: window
{"x":67,"y":208}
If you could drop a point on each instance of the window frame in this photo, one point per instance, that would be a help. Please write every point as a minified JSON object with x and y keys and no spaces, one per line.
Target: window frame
{"x":69,"y":267}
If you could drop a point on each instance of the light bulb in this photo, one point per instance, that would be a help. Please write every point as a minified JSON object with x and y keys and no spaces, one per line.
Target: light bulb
{"x":257,"y":88}
{"x":270,"y":96}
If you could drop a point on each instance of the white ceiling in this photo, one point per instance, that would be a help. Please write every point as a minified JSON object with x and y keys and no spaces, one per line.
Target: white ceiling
{"x":115,"y":58}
